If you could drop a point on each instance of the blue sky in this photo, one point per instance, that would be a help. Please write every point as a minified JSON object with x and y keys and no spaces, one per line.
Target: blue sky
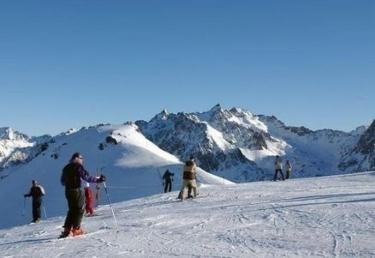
{"x":72,"y":63}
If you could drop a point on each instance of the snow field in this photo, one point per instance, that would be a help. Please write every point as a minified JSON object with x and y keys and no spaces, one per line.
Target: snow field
{"x":314,"y":217}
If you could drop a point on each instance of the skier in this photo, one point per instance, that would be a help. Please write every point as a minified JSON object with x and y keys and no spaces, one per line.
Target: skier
{"x":71,"y":177}
{"x":89,"y":200}
{"x":189,"y":178}
{"x":278,"y":168}
{"x":168,"y":179}
{"x":36,"y":192}
{"x":288,"y":168}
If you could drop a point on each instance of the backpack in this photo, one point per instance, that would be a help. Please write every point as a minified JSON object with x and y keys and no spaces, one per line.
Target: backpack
{"x":41,"y":189}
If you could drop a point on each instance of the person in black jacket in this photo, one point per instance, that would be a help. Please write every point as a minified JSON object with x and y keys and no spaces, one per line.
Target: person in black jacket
{"x":71,"y":178}
{"x":36,"y":192}
{"x":168,"y":179}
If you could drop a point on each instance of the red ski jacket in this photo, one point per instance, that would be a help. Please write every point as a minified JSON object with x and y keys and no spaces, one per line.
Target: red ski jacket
{"x":89,"y":197}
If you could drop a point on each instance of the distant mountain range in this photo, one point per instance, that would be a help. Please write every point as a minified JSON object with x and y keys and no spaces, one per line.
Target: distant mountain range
{"x":241,"y":146}
{"x":231,"y":143}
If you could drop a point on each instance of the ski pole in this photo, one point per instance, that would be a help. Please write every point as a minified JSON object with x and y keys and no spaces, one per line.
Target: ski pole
{"x":45,"y":213}
{"x":110,"y":204}
{"x":162,"y":181}
{"x":24,"y":206}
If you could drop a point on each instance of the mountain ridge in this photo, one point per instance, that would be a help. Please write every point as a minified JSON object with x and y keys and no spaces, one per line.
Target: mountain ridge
{"x":233,"y":143}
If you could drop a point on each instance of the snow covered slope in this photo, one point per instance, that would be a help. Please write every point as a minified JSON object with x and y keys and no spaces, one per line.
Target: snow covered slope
{"x":133,"y":166}
{"x":312,"y":217}
{"x":312,"y":153}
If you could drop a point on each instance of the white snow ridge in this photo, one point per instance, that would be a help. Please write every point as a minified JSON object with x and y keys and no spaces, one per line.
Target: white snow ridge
{"x":317,"y":217}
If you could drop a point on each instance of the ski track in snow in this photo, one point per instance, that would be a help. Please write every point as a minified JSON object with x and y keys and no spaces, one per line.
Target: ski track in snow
{"x":320,"y":217}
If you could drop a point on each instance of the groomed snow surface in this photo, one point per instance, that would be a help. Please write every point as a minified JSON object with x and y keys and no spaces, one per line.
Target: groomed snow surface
{"x":314,"y":217}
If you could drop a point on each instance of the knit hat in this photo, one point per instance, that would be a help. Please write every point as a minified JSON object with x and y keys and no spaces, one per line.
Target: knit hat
{"x":75,"y":155}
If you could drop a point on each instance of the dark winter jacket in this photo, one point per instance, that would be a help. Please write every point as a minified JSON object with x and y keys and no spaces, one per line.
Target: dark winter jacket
{"x":36,"y":192}
{"x":190,"y":170}
{"x":72,"y":175}
{"x":168,"y":176}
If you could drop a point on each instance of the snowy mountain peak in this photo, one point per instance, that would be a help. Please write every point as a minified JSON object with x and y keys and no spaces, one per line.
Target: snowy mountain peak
{"x":163,"y":115}
{"x":219,"y":115}
{"x":237,"y":110}
{"x":17,"y":148}
{"x":216,"y":108}
{"x":71,"y":131}
{"x":366,"y":144}
{"x":361,"y":157}
{"x":7,"y":133}
{"x":359,"y":130}
{"x":213,"y":137}
{"x":275,"y":125}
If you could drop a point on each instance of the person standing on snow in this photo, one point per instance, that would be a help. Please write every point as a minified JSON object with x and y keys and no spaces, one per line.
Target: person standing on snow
{"x":278,"y":168}
{"x":71,"y":178}
{"x":189,"y":177}
{"x":288,"y":168}
{"x":36,"y":192}
{"x":89,"y":200}
{"x":168,"y":179}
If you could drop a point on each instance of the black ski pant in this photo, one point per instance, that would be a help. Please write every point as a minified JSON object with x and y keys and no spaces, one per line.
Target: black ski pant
{"x":76,"y":203}
{"x":190,"y":189}
{"x":167,"y":186}
{"x":276,"y":172}
{"x":37,"y":203}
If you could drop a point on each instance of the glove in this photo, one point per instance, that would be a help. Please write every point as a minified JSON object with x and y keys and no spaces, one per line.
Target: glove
{"x":101,"y":179}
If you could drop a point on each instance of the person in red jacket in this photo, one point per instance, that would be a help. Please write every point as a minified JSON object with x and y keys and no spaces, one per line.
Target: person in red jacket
{"x":89,"y":200}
